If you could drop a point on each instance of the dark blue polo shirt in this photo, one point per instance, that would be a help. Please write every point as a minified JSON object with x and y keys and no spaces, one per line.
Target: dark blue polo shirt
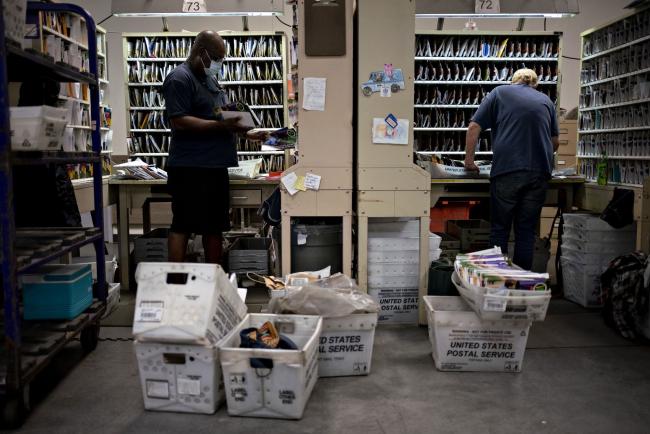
{"x":522,"y":120}
{"x":187,"y":95}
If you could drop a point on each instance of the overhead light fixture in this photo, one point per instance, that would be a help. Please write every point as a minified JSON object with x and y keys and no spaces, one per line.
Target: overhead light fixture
{"x":508,"y":9}
{"x":204,"y":8}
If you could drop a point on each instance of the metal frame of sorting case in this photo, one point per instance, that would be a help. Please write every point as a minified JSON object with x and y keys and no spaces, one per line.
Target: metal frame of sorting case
{"x":326,"y":145}
{"x":389,"y":184}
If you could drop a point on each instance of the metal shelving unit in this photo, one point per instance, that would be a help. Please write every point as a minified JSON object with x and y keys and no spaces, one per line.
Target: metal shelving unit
{"x":151,"y":142}
{"x":614,"y":107}
{"x":21,"y":359}
{"x":447,"y":94}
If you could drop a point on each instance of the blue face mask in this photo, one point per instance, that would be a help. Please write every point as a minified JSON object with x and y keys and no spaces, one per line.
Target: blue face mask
{"x":212,"y":72}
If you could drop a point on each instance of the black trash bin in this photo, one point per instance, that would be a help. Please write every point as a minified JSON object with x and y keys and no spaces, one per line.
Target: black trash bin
{"x":440,"y":282}
{"x":316,"y":246}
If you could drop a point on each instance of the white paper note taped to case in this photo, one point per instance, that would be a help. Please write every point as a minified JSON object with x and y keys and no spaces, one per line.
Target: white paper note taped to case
{"x":314,"y":93}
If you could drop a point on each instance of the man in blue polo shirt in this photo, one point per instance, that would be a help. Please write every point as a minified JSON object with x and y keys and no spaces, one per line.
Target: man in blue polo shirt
{"x":524,"y":131}
{"x":202,"y":149}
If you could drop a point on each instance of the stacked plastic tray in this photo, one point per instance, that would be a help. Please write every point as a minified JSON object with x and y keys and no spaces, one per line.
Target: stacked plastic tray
{"x":249,"y":255}
{"x":393,"y":267}
{"x":588,"y":245}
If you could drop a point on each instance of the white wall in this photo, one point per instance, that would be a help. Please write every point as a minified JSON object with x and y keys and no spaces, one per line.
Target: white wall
{"x":115,"y":26}
{"x":592,"y":13}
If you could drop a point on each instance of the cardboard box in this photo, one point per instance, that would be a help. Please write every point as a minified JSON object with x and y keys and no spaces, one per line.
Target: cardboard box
{"x":549,"y":211}
{"x":568,"y":137}
{"x":563,"y":161}
{"x":545,"y":227}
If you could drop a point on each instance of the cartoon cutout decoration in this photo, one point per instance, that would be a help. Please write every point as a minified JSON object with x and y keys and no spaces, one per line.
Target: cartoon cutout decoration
{"x":388,"y":77}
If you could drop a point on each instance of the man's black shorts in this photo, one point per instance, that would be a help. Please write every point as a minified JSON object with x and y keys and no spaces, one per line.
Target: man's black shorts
{"x":200,"y":200}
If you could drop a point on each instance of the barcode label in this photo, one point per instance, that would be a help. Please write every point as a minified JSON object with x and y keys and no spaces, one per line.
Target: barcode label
{"x":154,"y":304}
{"x":494,"y":305}
{"x":150,"y":311}
{"x":299,"y":281}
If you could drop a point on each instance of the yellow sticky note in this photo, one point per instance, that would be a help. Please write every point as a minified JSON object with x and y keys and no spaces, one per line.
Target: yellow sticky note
{"x":300,"y":184}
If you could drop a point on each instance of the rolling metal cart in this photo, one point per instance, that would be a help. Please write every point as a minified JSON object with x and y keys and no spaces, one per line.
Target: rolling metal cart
{"x":30,"y":345}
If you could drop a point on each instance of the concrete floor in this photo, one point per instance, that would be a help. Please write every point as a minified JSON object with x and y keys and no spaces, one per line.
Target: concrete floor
{"x":578,"y":377}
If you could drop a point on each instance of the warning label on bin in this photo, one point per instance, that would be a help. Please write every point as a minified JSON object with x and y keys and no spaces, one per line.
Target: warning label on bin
{"x":489,"y":349}
{"x":396,"y":305}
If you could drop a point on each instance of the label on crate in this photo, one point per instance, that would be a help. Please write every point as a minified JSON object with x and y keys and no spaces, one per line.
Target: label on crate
{"x":397,"y":305}
{"x":493,"y":304}
{"x":157,"y":389}
{"x":150,"y":311}
{"x":187,"y":386}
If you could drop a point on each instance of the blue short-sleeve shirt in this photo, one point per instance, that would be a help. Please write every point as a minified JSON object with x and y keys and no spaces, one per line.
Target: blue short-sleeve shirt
{"x":187,"y":95}
{"x":522,"y":122}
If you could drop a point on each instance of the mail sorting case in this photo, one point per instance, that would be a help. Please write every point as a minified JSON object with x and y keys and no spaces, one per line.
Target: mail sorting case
{"x":283,"y":390}
{"x":253,"y":74}
{"x":614,"y":102}
{"x":57,"y":292}
{"x":454,"y":73}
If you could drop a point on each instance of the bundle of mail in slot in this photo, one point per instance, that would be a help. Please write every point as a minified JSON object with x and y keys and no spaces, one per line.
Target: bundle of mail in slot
{"x":492,"y":269}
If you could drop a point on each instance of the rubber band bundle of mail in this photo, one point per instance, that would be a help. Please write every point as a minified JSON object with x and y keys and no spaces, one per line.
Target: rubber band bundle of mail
{"x":491,"y":269}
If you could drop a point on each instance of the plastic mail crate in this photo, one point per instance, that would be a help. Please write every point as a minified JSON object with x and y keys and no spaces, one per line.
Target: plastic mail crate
{"x":201,"y":309}
{"x":461,"y":341}
{"x":279,"y":392}
{"x":152,"y":247}
{"x":57,"y":292}
{"x":181,"y":378}
{"x":504,"y":304}
{"x":37,"y":128}
{"x":249,"y":255}
{"x":473,"y":234}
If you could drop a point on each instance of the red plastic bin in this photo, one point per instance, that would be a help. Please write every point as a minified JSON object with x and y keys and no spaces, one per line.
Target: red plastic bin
{"x":447,"y":210}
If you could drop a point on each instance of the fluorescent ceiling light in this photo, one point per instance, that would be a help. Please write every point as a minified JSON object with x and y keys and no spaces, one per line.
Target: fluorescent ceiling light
{"x":500,"y":15}
{"x":196,"y":14}
{"x":508,"y":8}
{"x":174,"y":8}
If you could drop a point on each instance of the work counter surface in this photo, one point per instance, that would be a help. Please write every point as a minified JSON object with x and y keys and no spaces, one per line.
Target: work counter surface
{"x":564,"y":180}
{"x":114,"y":181}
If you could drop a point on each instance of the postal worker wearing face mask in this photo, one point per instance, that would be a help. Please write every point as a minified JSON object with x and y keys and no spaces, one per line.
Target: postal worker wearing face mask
{"x":202,"y":148}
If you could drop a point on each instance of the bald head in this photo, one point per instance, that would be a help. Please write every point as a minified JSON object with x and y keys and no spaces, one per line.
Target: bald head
{"x":211,"y":42}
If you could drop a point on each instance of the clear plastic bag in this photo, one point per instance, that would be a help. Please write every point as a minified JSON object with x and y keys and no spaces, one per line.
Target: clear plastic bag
{"x":333,"y":297}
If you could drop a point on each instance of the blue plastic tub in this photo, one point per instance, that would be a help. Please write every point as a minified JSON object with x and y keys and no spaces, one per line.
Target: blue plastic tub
{"x":57,"y":292}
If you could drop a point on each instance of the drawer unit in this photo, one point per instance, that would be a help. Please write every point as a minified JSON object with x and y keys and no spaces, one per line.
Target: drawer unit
{"x":245,"y":197}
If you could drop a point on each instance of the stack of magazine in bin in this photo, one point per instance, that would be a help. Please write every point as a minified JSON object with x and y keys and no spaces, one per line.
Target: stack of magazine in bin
{"x":497,"y":289}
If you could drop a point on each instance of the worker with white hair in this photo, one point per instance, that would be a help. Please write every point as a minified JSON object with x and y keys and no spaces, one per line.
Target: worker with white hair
{"x":524,"y":130}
